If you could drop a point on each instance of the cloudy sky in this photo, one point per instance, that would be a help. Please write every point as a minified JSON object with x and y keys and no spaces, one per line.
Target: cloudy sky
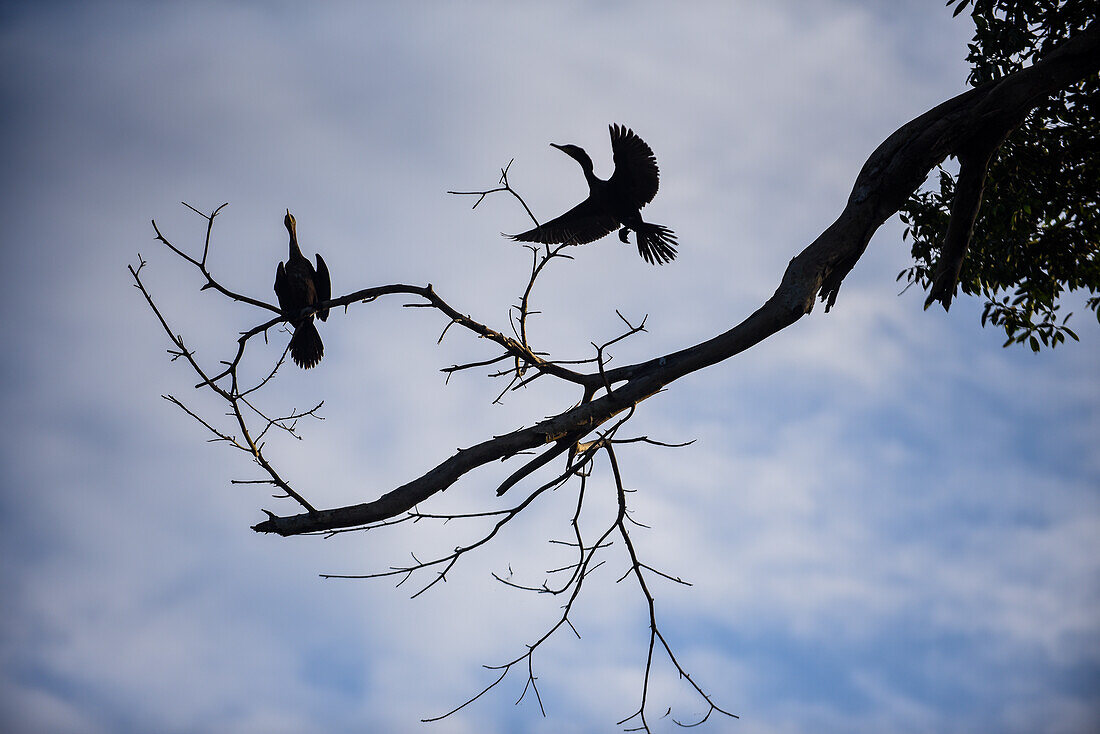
{"x":891,"y":523}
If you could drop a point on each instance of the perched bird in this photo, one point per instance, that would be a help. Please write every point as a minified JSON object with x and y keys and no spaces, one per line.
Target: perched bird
{"x":612,"y":203}
{"x":300,"y":287}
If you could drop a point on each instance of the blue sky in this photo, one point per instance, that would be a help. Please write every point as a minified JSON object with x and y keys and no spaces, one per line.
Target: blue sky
{"x":891,"y":523}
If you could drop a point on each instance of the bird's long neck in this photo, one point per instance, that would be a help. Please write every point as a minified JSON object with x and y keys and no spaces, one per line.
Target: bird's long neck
{"x":594,"y":182}
{"x":295,"y":251}
{"x":586,"y":165}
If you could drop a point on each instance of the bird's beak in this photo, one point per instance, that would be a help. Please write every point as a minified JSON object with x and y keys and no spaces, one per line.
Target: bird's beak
{"x":555,"y":145}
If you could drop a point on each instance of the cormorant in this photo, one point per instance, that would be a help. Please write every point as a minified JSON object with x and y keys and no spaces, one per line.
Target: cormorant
{"x":612,"y":203}
{"x":300,"y":287}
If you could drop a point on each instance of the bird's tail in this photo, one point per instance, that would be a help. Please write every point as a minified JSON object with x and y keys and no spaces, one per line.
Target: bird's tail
{"x":306,"y":348}
{"x":656,"y":243}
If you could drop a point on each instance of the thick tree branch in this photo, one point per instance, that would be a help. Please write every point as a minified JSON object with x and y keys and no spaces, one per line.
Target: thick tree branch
{"x":973,"y":168}
{"x":892,"y":172}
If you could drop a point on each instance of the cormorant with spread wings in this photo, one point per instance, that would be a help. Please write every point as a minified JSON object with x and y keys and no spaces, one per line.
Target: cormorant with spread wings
{"x":300,"y":287}
{"x":612,"y":203}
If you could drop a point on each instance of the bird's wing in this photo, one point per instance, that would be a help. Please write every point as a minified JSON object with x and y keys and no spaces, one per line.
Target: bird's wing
{"x":635,"y":165}
{"x":583,"y":223}
{"x":323,"y":286}
{"x":282,"y":290}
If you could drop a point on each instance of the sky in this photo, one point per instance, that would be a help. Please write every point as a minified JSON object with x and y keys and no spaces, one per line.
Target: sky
{"x":890,"y":523}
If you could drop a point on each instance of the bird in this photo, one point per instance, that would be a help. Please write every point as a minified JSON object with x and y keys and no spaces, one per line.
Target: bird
{"x":300,"y":287}
{"x":613,"y":203}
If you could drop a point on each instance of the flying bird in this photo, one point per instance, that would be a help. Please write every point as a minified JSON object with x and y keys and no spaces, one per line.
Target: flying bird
{"x":299,"y":288}
{"x":612,"y":203}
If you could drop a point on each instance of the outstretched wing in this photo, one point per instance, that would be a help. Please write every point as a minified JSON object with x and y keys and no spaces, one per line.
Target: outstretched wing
{"x":323,"y":286}
{"x":282,"y":289}
{"x":584,"y":223}
{"x":635,"y":166}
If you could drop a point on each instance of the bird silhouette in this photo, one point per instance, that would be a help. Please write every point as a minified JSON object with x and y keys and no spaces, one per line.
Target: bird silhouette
{"x":612,"y":203}
{"x":300,"y":287}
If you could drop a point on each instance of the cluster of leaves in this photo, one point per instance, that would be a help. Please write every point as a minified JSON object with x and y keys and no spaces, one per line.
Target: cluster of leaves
{"x":1037,"y":235}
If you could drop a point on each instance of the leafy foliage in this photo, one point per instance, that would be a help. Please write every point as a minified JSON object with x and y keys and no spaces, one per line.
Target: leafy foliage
{"x":1037,"y":235}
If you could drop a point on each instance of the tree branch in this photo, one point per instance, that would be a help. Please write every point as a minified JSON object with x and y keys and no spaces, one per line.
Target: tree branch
{"x":893,"y":171}
{"x":964,"y":213}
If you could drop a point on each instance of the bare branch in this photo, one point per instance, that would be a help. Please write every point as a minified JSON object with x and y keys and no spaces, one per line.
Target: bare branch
{"x":201,"y":264}
{"x":232,"y":396}
{"x":636,"y":567}
{"x":219,"y":436}
{"x":504,"y":186}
